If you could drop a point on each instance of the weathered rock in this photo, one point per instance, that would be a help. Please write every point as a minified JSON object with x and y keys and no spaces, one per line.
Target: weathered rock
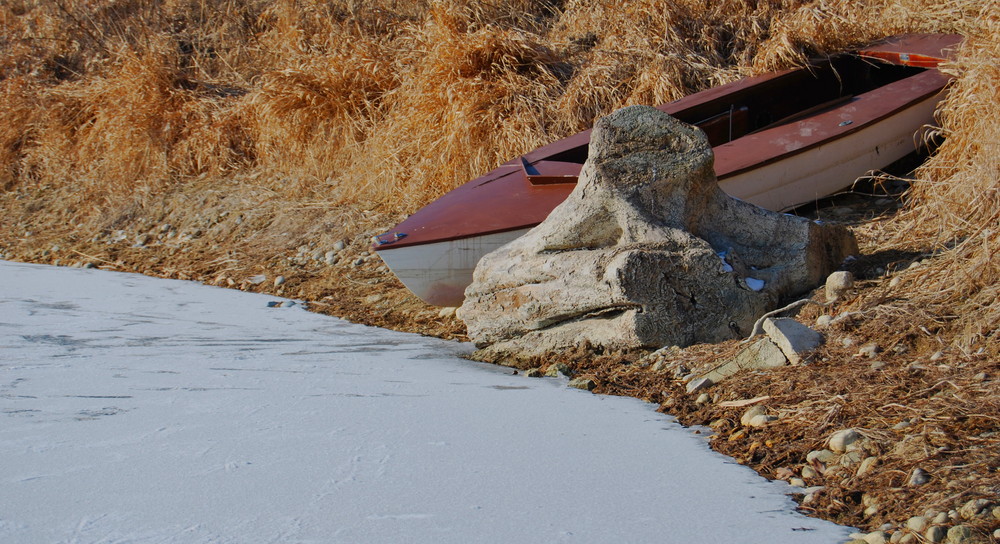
{"x":869,"y":350}
{"x":935,"y":534}
{"x":959,"y":534}
{"x":583,"y":383}
{"x":699,"y":384}
{"x":917,"y":524}
{"x":919,"y":476}
{"x":558,"y":369}
{"x":837,"y":285}
{"x":867,"y":465}
{"x":761,"y":354}
{"x":876,"y":537}
{"x":823,"y":456}
{"x":761,"y":420}
{"x":792,"y":337}
{"x":751,"y":413}
{"x":843,"y":438}
{"x":647,"y":251}
{"x":973,"y":508}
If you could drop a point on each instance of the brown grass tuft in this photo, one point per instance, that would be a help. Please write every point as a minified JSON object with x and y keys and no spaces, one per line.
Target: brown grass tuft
{"x":385,"y":105}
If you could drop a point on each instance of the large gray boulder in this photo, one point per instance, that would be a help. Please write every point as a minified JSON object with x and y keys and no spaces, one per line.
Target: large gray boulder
{"x":647,"y":251}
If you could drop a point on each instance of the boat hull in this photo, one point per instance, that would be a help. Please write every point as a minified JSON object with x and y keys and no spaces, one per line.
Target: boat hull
{"x":772,"y":147}
{"x":439,"y":272}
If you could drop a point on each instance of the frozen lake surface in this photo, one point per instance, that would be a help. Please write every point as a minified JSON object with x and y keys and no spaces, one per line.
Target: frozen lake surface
{"x":135,"y":409}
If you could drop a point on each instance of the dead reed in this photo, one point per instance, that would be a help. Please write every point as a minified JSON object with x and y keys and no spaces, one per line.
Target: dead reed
{"x":385,"y":105}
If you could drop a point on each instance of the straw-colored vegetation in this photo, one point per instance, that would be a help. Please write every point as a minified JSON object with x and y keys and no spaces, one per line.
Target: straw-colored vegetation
{"x":385,"y":105}
{"x":222,"y":139}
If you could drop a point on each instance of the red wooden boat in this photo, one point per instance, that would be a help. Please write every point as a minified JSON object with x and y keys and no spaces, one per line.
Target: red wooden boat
{"x":780,"y":140}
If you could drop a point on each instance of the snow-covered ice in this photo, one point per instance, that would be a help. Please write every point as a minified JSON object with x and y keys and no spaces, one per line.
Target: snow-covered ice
{"x":135,"y":409}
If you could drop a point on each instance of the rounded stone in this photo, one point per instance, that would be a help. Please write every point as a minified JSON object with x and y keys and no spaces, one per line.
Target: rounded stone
{"x":761,"y":420}
{"x":972,"y":508}
{"x":919,"y":476}
{"x":959,"y":534}
{"x":279,"y":281}
{"x":843,"y":438}
{"x":750,"y":413}
{"x":940,"y":518}
{"x":935,"y":534}
{"x":822,"y":456}
{"x":917,"y":523}
{"x":876,"y":537}
{"x":824,"y":321}
{"x":867,"y":465}
{"x":837,"y":284}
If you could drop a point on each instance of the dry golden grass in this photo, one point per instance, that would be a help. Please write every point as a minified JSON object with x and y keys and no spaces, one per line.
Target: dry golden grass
{"x":385,"y":105}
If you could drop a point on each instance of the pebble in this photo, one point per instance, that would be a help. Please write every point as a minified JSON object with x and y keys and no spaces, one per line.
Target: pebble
{"x":808,"y":472}
{"x":908,"y":538}
{"x":850,"y":458}
{"x":279,"y":281}
{"x":843,"y":438}
{"x":869,"y":350}
{"x":919,"y":476}
{"x":996,"y":534}
{"x":877,"y":365}
{"x":583,"y":383}
{"x":896,"y":537}
{"x":330,"y":257}
{"x":824,"y":321}
{"x":940,"y":518}
{"x":751,"y":413}
{"x":820,"y":455}
{"x":761,"y":420}
{"x":447,"y":312}
{"x":981,"y":377}
{"x":339,"y":245}
{"x":917,"y":524}
{"x":935,"y":534}
{"x":876,"y":537}
{"x":257,"y":279}
{"x":703,"y":399}
{"x":937,"y":356}
{"x":557,"y":369}
{"x":959,"y":534}
{"x":699,"y":384}
{"x":837,"y":284}
{"x":372,"y":299}
{"x":867,"y":465}
{"x":902,"y":425}
{"x":534,"y":373}
{"x":996,"y":512}
{"x":972,"y":508}
{"x":797,"y":482}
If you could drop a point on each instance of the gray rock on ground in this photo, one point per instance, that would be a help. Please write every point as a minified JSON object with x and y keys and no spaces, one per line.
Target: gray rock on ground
{"x":647,"y":251}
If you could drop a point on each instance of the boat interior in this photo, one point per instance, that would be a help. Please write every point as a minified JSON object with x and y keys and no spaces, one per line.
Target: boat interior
{"x":779,"y":100}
